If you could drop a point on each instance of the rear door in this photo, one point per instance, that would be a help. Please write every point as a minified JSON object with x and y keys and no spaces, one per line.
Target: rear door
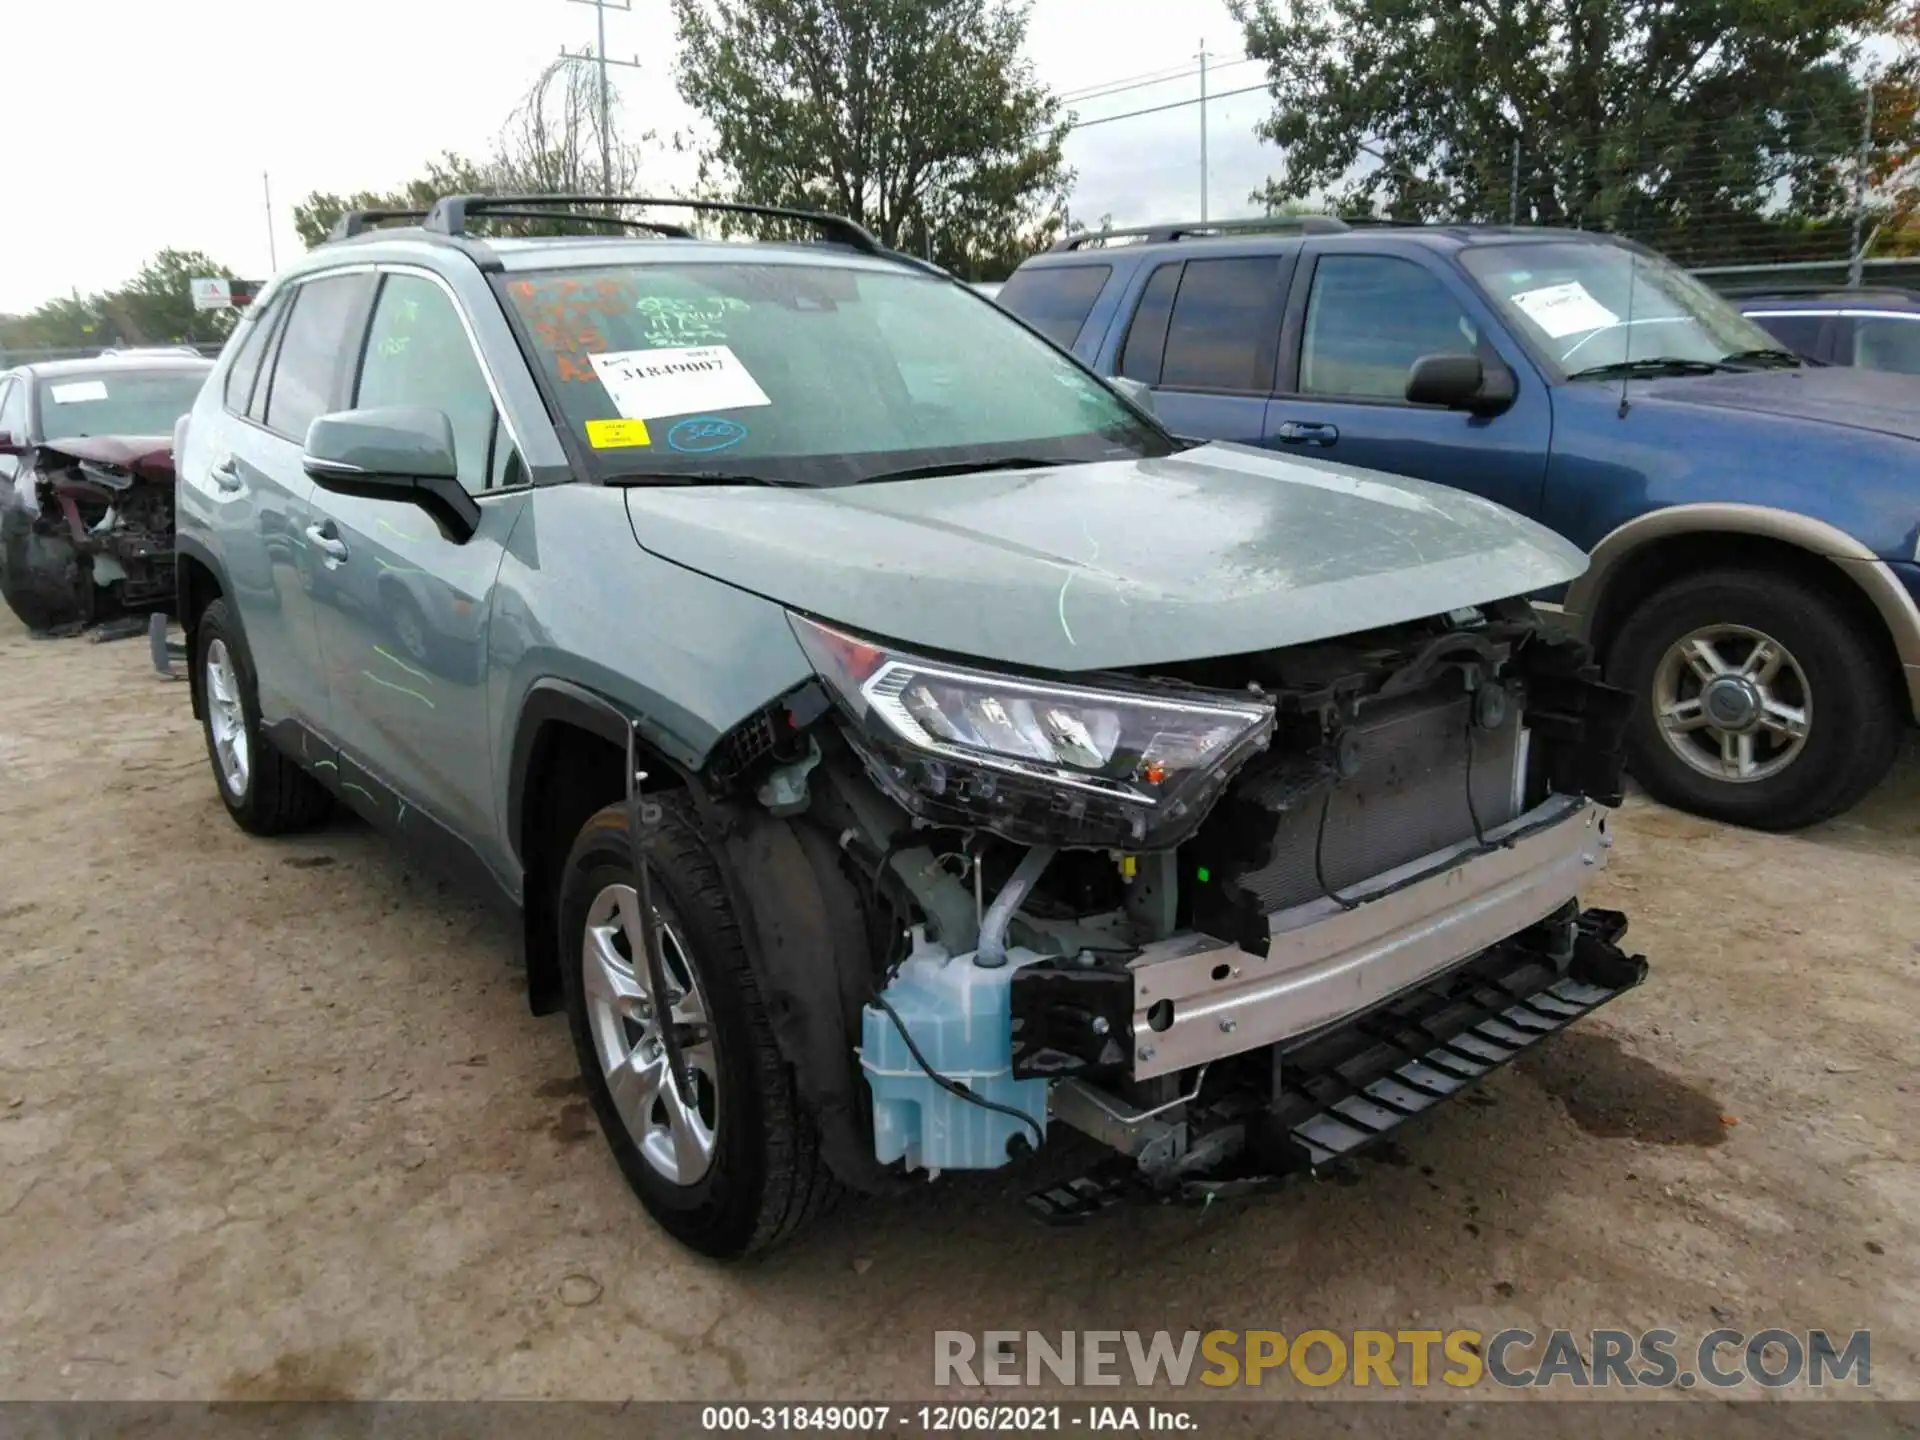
{"x":1356,"y":322}
{"x":1203,"y":334}
{"x":253,"y":485}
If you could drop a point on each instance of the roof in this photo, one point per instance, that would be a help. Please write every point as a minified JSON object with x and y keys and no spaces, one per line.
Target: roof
{"x":1256,"y":236}
{"x":146,"y":362}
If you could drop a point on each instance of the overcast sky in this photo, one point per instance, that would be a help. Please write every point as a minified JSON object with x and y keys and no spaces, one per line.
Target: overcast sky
{"x":151,"y":125}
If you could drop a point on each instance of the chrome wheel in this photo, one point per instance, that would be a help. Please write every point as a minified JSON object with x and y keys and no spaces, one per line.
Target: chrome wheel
{"x":672,"y":1118}
{"x":227,"y":719}
{"x":1733,"y":703}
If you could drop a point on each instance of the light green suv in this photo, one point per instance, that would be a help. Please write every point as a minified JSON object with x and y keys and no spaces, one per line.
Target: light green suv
{"x":897,"y":744}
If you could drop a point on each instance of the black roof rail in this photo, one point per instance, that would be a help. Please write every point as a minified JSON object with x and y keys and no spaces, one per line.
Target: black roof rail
{"x":1206,"y":230}
{"x":671,"y":232}
{"x":450,"y":213}
{"x":358,"y":222}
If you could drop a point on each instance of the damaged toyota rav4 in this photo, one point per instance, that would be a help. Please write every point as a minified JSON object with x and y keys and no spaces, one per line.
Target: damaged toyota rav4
{"x":897,"y":746}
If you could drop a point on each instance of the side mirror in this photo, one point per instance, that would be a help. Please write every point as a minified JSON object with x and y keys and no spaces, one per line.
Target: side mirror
{"x":9,"y":445}
{"x":404,"y":453}
{"x":1461,"y":382}
{"x":1139,"y":392}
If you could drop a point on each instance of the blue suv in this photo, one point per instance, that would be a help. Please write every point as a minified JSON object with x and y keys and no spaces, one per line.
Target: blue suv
{"x":1752,"y":520}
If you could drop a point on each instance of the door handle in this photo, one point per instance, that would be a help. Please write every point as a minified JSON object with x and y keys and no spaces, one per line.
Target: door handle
{"x":1308,"y":432}
{"x":327,"y":543}
{"x":226,"y":474}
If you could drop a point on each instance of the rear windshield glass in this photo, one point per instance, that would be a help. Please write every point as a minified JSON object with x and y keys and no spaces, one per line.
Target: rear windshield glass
{"x":116,"y":402}
{"x":1055,"y":299}
{"x":806,"y":374}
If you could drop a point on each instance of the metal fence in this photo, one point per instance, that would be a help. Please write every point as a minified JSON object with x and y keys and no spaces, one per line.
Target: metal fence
{"x":1809,"y":186}
{"x":33,"y":355}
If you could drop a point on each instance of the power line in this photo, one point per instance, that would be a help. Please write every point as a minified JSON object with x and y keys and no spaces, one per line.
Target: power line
{"x":1144,"y":82}
{"x":1080,"y":125}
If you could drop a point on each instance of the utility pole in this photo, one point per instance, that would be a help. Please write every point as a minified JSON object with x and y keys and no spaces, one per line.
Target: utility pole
{"x":599,"y":57}
{"x":266,"y":190}
{"x":1203,"y":131}
{"x":1855,"y":259}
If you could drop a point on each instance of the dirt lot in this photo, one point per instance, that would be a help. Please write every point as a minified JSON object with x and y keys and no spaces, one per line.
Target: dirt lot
{"x":274,"y":1122}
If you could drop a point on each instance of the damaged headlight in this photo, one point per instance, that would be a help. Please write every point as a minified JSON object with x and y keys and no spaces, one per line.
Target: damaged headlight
{"x":1038,"y":760}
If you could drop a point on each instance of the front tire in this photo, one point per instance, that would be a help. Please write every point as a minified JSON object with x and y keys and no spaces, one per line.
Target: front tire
{"x":265,"y":792}
{"x":1757,"y":700}
{"x":727,"y":1162}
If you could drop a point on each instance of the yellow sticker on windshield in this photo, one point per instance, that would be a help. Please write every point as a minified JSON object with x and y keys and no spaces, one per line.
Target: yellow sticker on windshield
{"x":617,"y":434}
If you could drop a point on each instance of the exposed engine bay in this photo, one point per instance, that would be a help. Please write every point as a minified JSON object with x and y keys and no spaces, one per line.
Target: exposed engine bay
{"x":1234,"y":919}
{"x":88,"y":531}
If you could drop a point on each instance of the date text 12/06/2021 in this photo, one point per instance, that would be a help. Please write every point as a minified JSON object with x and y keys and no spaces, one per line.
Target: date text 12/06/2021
{"x":946,"y":1419}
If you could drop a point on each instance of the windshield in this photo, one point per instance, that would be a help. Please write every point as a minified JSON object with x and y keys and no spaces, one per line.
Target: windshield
{"x":807,"y":374}
{"x":1587,"y":305}
{"x":116,"y":402}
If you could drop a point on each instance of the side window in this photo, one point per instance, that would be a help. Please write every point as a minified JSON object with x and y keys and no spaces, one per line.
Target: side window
{"x":263,"y":383}
{"x":1799,"y":333}
{"x":1884,"y":342}
{"x":1222,"y":317}
{"x":1369,"y":317}
{"x":245,"y":369}
{"x":418,"y":353}
{"x":13,"y":408}
{"x":13,"y":420}
{"x":315,"y":351}
{"x":1055,"y":299}
{"x":1147,"y":335}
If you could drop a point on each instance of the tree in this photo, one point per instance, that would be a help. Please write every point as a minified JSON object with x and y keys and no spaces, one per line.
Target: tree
{"x":552,"y":142}
{"x":917,"y":118}
{"x":1713,"y":131}
{"x":450,"y":174}
{"x":153,"y":308}
{"x":156,"y":306}
{"x":1893,"y":169}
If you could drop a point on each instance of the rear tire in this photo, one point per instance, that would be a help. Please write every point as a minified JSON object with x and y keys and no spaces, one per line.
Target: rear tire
{"x":265,"y":792}
{"x":1822,"y":668}
{"x":762,"y":1178}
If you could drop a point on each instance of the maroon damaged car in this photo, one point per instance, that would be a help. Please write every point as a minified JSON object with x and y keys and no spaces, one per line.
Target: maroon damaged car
{"x":86,"y":486}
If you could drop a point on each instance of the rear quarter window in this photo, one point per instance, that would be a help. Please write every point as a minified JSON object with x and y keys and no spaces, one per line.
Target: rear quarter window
{"x":1055,"y":299}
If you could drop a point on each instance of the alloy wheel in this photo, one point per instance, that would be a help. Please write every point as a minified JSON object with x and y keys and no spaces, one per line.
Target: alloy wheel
{"x":227,"y":719}
{"x":673,"y":1119}
{"x":1733,"y":703}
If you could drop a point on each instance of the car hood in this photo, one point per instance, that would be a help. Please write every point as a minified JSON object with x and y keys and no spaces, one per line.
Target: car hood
{"x":1830,"y":394}
{"x":1220,"y":550}
{"x":148,"y":456}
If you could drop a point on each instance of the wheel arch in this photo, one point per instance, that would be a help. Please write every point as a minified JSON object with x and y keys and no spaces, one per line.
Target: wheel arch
{"x":1648,"y":551}
{"x":568,"y":760}
{"x":197,"y":582}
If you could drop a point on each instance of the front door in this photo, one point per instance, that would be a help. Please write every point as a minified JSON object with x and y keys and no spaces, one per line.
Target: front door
{"x":403,"y":612}
{"x":1355,"y":326}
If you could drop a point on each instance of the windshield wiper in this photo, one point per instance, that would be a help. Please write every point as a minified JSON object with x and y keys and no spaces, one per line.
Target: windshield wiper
{"x":963,"y":467}
{"x":1764,"y":355}
{"x":699,"y":477}
{"x":1656,"y":365}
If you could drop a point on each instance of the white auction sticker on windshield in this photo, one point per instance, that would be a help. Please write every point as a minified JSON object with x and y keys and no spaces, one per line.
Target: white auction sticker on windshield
{"x":75,"y":392}
{"x":1563,"y":310}
{"x":653,"y":384}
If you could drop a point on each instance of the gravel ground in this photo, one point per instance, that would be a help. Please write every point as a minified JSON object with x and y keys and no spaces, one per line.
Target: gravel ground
{"x":275,"y":1123}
